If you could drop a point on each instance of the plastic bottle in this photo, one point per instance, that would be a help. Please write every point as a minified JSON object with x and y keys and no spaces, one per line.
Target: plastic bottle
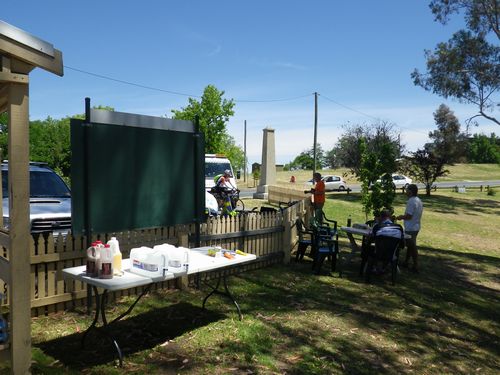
{"x":98,"y":246}
{"x":92,"y":260}
{"x":349,"y":221}
{"x":117,"y":256}
{"x":106,"y":263}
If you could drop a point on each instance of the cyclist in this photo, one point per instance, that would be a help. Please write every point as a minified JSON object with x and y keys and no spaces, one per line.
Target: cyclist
{"x":225,"y":191}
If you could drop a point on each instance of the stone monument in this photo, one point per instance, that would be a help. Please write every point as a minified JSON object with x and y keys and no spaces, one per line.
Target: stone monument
{"x":268,"y":167}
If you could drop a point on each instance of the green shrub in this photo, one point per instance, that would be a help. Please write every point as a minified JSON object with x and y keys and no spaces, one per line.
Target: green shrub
{"x":492,"y":192}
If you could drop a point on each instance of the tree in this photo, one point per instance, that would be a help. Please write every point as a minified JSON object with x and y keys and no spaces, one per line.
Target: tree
{"x":381,"y":163}
{"x":305,"y":160}
{"x":467,"y":67}
{"x":481,"y":16}
{"x":331,"y":159}
{"x":483,"y":149}
{"x":213,"y":113}
{"x":347,"y":149}
{"x":234,"y":153}
{"x":424,"y":166}
{"x":50,"y":143}
{"x":449,"y":142}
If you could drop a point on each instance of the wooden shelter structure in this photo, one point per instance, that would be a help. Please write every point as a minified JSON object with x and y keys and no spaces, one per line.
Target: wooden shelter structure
{"x":20,"y":53}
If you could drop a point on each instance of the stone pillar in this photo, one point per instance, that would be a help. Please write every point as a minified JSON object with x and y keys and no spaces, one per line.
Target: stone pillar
{"x":268,"y":167}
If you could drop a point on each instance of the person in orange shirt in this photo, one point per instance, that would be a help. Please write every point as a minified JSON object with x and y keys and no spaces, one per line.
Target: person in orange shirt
{"x":318,"y":191}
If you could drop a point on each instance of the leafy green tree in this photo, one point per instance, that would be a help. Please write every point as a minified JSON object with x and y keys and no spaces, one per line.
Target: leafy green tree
{"x":331,"y":159}
{"x":481,"y":16}
{"x":467,"y":67}
{"x":305,"y":160}
{"x":483,"y":149}
{"x":449,"y":143}
{"x":376,"y":196}
{"x":347,"y":149}
{"x":234,"y":153}
{"x":50,"y":143}
{"x":424,"y":166}
{"x":213,"y":113}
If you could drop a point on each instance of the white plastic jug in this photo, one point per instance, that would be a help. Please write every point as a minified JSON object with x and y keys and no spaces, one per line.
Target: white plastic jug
{"x":178,"y":260}
{"x":147,"y":262}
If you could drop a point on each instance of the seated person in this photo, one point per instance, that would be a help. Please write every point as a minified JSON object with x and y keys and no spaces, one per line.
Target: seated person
{"x":383,"y":227}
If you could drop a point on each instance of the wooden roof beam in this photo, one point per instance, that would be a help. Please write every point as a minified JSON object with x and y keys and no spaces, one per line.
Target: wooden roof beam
{"x":30,"y":50}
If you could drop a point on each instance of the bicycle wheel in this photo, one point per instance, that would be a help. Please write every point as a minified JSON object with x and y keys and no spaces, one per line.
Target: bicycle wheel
{"x":239,"y":205}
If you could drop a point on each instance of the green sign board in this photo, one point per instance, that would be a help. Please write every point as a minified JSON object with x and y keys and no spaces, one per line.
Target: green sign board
{"x":132,"y":172}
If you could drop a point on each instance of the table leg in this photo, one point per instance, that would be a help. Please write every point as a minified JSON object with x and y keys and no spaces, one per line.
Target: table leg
{"x":227,"y":293}
{"x":96,"y":316}
{"x":100,"y":310}
{"x":146,"y":290}
{"x":354,"y":246}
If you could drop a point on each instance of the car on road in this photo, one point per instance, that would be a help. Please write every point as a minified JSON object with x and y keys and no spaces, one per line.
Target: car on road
{"x":50,"y":200}
{"x":332,"y":183}
{"x":399,"y":181}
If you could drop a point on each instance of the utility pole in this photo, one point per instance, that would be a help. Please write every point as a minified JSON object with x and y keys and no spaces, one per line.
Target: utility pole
{"x":245,"y":152}
{"x":315,"y":129}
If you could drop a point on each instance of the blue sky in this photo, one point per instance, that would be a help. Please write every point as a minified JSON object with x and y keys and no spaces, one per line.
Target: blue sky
{"x":358,"y":55}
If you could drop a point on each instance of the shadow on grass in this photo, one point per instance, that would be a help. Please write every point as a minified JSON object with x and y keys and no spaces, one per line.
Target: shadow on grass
{"x":135,"y":334}
{"x":442,"y":317}
{"x":444,"y":320}
{"x":440,"y":203}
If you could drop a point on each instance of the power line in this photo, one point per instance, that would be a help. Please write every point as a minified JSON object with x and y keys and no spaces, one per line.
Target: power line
{"x":101,"y":76}
{"x":349,"y":108}
{"x":130,"y":83}
{"x":177,"y":92}
{"x":273,"y":100}
{"x":372,"y":117}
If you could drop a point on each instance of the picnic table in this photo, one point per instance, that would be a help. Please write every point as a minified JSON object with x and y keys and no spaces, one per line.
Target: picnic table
{"x":200,"y":262}
{"x":362,"y":230}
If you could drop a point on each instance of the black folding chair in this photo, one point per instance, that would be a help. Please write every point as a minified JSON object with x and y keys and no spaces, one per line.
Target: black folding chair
{"x":388,"y":243}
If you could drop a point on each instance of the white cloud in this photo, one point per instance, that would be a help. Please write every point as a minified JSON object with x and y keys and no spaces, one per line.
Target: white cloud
{"x":277,"y":64}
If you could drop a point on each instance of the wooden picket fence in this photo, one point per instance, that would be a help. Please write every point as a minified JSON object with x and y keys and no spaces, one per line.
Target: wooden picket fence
{"x":269,"y":235}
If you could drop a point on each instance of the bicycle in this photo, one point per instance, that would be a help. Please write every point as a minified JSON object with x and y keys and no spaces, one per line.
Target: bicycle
{"x":236,"y":203}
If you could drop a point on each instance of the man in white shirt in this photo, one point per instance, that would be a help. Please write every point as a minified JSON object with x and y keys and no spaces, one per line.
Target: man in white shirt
{"x":411,"y":217}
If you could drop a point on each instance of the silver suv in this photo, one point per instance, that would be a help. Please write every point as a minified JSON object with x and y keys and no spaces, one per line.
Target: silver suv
{"x":50,"y":200}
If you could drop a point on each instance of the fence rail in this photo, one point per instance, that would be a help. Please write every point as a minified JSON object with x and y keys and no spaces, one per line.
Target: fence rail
{"x":268,"y":235}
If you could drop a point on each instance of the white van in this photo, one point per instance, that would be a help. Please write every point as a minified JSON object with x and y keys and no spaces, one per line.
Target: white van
{"x":216,"y":164}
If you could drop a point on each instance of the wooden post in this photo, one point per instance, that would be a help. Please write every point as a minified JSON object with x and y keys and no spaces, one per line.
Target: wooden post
{"x":20,"y":304}
{"x":287,"y":237}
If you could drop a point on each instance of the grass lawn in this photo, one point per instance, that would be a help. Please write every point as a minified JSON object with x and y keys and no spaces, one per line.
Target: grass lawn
{"x":444,"y":320}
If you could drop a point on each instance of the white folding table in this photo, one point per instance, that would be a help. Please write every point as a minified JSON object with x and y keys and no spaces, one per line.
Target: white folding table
{"x":199,"y":262}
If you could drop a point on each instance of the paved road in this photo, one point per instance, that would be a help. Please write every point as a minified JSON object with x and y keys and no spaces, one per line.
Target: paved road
{"x":450,"y":184}
{"x":248,"y":192}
